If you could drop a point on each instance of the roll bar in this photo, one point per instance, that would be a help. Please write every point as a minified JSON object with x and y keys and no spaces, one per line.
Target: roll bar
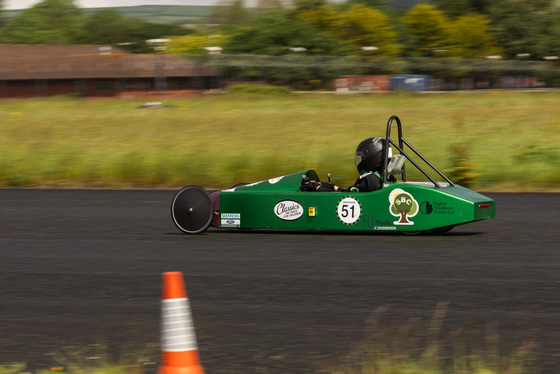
{"x":400,"y":147}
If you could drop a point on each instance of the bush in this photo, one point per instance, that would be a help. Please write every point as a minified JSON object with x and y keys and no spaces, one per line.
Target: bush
{"x":463,"y":168}
{"x":258,"y":89}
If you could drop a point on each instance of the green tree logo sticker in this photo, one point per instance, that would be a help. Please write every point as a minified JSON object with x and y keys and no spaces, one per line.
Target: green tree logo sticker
{"x":403,"y":205}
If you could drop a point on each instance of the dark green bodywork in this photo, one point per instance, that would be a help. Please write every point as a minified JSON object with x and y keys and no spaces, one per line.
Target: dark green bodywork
{"x":402,"y":206}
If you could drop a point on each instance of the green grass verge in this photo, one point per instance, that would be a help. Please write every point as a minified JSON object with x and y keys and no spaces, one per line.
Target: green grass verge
{"x":415,"y":346}
{"x":420,"y":346}
{"x":495,"y":141}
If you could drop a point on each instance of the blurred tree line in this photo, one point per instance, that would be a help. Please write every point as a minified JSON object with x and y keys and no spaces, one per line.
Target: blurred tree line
{"x":62,"y":22}
{"x":436,"y":28}
{"x":371,"y":31}
{"x":448,"y":39}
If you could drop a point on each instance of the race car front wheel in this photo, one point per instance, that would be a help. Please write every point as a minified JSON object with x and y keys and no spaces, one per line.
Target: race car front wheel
{"x":192,"y":209}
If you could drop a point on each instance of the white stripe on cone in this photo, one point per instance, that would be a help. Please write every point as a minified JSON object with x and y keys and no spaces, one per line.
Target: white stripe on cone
{"x":177,"y":329}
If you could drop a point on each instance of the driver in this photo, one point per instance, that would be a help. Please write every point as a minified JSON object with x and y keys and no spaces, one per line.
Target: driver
{"x":369,"y":162}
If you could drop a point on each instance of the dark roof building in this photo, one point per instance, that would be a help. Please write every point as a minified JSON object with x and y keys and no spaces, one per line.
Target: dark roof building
{"x":93,"y":70}
{"x":19,"y":50}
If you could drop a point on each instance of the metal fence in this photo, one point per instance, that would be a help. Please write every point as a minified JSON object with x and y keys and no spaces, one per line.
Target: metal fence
{"x":320,"y":72}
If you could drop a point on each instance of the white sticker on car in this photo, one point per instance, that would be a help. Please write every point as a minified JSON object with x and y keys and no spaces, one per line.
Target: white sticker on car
{"x":230,"y":219}
{"x":288,"y":210}
{"x":349,"y":210}
{"x":403,"y":205}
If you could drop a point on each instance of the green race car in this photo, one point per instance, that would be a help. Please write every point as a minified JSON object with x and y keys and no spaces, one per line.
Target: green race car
{"x":284,"y":203}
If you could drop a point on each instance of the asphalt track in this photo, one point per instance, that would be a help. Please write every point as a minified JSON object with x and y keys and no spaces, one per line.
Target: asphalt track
{"x":80,"y":275}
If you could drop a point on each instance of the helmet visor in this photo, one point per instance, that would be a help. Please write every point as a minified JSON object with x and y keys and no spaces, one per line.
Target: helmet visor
{"x":358,"y":158}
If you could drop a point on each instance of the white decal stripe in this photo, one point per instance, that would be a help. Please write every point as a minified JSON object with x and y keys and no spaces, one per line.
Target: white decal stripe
{"x":177,"y":329}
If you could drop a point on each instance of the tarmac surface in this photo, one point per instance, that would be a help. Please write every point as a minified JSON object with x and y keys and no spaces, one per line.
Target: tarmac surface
{"x":80,"y":276}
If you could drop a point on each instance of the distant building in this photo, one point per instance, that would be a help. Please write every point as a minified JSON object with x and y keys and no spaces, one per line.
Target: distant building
{"x":97,"y":71}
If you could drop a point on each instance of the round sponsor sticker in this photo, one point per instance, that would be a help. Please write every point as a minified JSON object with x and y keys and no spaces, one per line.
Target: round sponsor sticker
{"x":288,"y":210}
{"x":349,"y":210}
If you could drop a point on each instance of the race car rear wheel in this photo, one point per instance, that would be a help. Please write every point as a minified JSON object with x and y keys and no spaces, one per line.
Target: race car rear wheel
{"x":192,"y":209}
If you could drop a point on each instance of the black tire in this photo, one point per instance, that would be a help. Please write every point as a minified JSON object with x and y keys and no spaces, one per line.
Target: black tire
{"x":192,"y":209}
{"x":412,"y":233}
{"x":442,"y":230}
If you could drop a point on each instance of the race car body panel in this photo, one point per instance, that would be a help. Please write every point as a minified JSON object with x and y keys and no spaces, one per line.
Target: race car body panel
{"x":280,"y":204}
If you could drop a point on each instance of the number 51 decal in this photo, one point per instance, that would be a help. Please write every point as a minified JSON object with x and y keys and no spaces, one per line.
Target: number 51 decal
{"x":349,"y":210}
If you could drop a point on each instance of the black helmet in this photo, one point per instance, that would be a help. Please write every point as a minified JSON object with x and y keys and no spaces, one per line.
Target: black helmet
{"x":369,"y":155}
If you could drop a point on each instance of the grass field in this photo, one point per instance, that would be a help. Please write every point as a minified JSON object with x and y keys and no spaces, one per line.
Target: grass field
{"x":413,"y":347}
{"x":499,"y":141}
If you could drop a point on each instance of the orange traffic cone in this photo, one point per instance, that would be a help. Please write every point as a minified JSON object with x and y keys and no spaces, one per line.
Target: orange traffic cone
{"x":179,"y":352}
